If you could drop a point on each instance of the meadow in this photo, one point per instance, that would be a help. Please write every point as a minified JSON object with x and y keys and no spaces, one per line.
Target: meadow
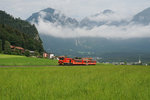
{"x":100,"y":82}
{"x":16,"y":60}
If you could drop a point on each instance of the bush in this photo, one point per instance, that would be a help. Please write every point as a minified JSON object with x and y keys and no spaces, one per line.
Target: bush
{"x":27,"y":53}
{"x":0,"y":46}
{"x":7,"y":49}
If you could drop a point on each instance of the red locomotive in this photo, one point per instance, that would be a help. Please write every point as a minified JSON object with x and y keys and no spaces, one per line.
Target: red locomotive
{"x":76,"y":61}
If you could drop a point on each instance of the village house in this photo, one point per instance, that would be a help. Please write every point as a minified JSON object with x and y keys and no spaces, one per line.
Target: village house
{"x":48,"y":55}
{"x":14,"y":48}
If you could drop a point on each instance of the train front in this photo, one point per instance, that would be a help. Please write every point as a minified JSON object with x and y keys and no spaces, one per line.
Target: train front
{"x":61,"y":60}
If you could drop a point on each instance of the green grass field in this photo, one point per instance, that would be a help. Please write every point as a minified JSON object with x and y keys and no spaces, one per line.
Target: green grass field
{"x":13,"y":60}
{"x":100,"y":82}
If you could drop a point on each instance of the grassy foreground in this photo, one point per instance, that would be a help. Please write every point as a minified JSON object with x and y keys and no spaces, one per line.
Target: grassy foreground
{"x":101,"y":82}
{"x":14,"y":60}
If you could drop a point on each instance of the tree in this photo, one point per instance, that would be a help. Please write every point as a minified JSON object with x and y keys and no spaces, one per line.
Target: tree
{"x":0,"y":46}
{"x":36,"y":53}
{"x":27,"y":53}
{"x":7,"y":49}
{"x":18,"y":52}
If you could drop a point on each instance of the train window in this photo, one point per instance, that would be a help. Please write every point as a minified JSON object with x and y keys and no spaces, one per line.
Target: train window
{"x":61,"y":58}
{"x":78,"y":60}
{"x":91,"y":61}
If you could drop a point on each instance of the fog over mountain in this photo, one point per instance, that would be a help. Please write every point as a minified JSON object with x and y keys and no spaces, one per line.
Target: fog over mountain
{"x":106,"y":32}
{"x":106,"y":24}
{"x":142,"y":17}
{"x":54,"y":17}
{"x":107,"y":17}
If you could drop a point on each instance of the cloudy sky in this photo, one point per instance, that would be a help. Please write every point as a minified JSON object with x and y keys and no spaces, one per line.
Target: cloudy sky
{"x":79,"y":9}
{"x":74,"y":8}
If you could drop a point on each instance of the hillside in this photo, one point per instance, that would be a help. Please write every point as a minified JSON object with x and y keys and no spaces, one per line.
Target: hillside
{"x":19,"y":32}
{"x":109,"y":49}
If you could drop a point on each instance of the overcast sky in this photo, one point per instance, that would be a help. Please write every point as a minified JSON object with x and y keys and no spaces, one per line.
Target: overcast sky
{"x":73,"y":8}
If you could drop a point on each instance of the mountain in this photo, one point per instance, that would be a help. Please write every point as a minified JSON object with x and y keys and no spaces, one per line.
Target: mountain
{"x":107,"y":49}
{"x":114,"y":49}
{"x":53,"y":16}
{"x":142,"y":17}
{"x":107,"y":17}
{"x":110,"y":18}
{"x":19,"y":32}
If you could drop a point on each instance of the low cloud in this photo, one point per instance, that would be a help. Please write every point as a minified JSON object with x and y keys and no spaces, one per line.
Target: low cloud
{"x":104,"y":31}
{"x":109,"y":17}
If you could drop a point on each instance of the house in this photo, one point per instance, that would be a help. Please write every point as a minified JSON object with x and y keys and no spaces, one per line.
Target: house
{"x":45,"y":55}
{"x":122,"y":63}
{"x":17,"y":48}
{"x":32,"y":52}
{"x":51,"y":56}
{"x":48,"y":55}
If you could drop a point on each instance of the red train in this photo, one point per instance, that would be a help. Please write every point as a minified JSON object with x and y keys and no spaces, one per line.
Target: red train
{"x":76,"y":61}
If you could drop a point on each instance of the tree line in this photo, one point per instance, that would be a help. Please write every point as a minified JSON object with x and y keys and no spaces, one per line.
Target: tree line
{"x":5,"y":48}
{"x":17,"y":32}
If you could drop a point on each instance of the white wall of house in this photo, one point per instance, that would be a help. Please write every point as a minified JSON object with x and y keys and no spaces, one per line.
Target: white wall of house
{"x":51,"y":56}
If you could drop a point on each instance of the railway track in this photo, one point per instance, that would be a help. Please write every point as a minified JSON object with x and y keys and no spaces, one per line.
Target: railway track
{"x":33,"y":66}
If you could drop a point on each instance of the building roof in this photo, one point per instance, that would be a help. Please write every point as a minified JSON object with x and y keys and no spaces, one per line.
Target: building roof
{"x":14,"y":47}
